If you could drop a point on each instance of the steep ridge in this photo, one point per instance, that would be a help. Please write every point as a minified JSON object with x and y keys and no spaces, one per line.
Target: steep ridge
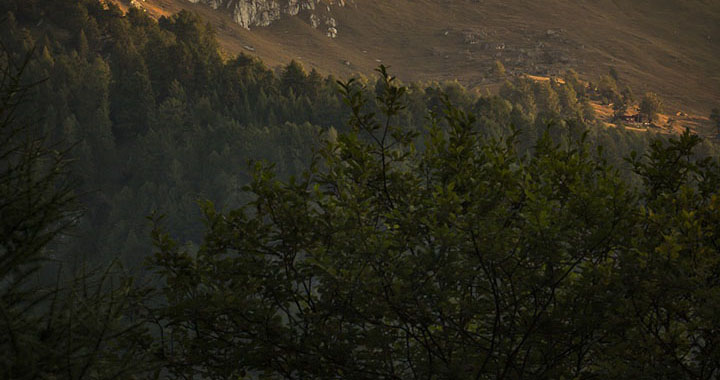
{"x":670,"y":47}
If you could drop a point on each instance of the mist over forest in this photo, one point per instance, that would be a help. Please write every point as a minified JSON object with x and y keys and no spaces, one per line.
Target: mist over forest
{"x":171,"y":208}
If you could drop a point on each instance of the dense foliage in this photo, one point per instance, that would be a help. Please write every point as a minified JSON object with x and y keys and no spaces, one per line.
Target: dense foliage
{"x":161,"y":119}
{"x":455,"y":257}
{"x":54,"y":325}
{"x":400,"y":231}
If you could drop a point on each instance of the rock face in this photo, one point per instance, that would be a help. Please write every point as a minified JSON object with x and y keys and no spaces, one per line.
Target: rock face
{"x":250,"y":13}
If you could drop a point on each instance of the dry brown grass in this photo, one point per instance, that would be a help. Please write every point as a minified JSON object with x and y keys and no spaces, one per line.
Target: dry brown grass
{"x":666,"y":46}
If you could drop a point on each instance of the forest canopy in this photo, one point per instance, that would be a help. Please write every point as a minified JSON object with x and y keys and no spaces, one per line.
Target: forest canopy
{"x":452,"y":255}
{"x":382,"y":230}
{"x":159,"y":119}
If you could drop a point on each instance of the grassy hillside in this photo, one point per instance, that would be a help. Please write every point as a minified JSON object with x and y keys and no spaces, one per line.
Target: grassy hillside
{"x":670,"y":47}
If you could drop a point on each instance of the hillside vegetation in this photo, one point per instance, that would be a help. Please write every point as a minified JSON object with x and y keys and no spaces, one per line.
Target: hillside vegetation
{"x":284,"y":223}
{"x":668,"y":47}
{"x":161,"y":119}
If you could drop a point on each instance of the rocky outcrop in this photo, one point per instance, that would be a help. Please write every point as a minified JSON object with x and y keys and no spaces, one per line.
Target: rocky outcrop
{"x":250,"y":13}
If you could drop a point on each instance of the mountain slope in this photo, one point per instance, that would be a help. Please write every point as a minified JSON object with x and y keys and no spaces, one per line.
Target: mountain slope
{"x":670,"y":47}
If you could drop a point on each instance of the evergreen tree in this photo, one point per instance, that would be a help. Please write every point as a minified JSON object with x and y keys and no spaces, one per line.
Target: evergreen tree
{"x":294,"y":78}
{"x":650,"y":105}
{"x":547,"y":99}
{"x":77,"y":328}
{"x":608,"y":89}
{"x":715,"y":116}
{"x":458,"y":258}
{"x":572,"y":78}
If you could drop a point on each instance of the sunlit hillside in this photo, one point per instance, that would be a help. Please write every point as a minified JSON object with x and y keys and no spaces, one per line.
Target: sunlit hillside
{"x":669,"y":47}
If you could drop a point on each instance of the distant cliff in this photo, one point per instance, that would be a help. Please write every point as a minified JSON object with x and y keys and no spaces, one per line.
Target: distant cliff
{"x":249,"y":13}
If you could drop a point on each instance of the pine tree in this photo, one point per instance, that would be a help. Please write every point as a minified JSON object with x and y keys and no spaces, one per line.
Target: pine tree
{"x":294,"y":78}
{"x":72,"y":328}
